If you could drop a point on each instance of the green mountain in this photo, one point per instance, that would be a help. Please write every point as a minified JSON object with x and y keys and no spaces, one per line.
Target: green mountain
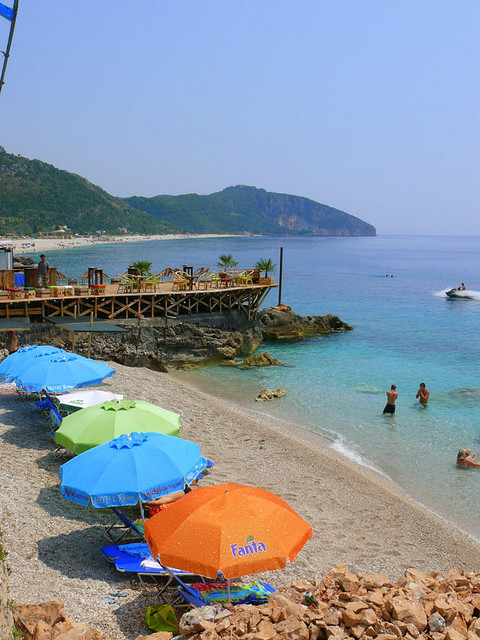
{"x":35,"y":196}
{"x":244,"y":209}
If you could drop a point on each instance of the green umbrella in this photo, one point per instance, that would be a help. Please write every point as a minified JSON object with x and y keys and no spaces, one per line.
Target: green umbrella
{"x":95,"y":425}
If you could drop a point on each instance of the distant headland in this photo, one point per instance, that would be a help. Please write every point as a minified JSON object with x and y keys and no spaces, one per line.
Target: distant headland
{"x":38,"y":197}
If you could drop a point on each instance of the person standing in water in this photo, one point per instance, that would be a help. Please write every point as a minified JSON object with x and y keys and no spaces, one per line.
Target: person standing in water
{"x":392,"y":395}
{"x":423,"y":394}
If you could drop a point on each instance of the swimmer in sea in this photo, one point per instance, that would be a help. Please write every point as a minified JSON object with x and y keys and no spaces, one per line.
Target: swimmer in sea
{"x":392,"y":395}
{"x":466,"y":459}
{"x":423,"y":394}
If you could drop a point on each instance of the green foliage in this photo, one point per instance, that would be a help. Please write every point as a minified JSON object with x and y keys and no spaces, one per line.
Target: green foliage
{"x":3,"y":555}
{"x":225,"y":261}
{"x":265,"y":264}
{"x":143,"y":267}
{"x":249,"y":210}
{"x":36,"y":196}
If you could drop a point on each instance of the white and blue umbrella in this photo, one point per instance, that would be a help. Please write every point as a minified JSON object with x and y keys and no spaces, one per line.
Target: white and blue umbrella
{"x":62,"y":373}
{"x":131,"y":469}
{"x":26,"y":357}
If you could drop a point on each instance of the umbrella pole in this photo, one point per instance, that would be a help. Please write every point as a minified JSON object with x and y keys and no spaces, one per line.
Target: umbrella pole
{"x":142,"y":511}
{"x":228,"y":589}
{"x":89,"y":345}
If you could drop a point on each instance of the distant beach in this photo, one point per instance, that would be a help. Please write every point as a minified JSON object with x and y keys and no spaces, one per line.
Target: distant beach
{"x":36,"y":245}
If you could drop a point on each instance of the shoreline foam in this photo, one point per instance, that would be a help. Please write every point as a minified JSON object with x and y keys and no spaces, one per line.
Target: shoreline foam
{"x":359,"y":517}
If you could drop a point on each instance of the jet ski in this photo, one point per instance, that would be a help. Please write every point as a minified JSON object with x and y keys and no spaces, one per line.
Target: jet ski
{"x":460,"y":294}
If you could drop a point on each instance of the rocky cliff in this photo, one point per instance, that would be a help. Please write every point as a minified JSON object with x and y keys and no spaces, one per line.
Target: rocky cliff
{"x":195,"y":340}
{"x":281,"y":323}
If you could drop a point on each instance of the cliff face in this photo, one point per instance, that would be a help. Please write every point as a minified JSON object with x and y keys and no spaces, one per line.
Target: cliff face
{"x":295,"y":213}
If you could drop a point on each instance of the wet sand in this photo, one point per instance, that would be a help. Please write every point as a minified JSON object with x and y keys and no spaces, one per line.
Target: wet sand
{"x":358,"y":516}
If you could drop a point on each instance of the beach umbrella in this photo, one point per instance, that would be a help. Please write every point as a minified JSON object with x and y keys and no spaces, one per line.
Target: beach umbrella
{"x":95,"y":425}
{"x":24,"y":358}
{"x":228,"y":528}
{"x":62,"y":373}
{"x":131,"y":469}
{"x":77,"y":400}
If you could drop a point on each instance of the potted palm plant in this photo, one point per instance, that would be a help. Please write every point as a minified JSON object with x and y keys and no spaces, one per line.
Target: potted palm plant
{"x":143,"y":267}
{"x":226,"y":261}
{"x":267,"y":266}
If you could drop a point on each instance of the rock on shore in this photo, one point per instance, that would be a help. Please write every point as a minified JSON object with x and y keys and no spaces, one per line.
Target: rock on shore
{"x":281,"y":323}
{"x":189,"y":340}
{"x":343,"y":605}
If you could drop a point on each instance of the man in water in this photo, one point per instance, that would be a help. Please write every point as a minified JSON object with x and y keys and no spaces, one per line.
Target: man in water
{"x":423,"y":394}
{"x":392,"y":395}
{"x":43,"y":268}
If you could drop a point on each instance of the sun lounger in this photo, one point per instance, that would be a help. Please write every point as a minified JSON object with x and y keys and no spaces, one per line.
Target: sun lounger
{"x":123,"y":531}
{"x":136,"y":560}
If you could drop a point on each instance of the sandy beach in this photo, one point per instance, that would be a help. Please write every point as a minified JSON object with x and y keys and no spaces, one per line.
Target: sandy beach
{"x":37,"y":245}
{"x":358,"y":516}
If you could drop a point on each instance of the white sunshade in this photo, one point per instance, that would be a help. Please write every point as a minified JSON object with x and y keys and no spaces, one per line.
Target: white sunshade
{"x":87,"y":398}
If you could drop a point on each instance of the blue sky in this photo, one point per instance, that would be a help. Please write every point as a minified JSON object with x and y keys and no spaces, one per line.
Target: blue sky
{"x":371,"y":107}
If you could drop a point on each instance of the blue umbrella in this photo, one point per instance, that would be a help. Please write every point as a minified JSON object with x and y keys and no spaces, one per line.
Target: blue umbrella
{"x":22,"y":359}
{"x":62,"y":373}
{"x":131,"y":468}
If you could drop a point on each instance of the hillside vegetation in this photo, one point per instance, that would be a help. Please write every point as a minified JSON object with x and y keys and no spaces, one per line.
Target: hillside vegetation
{"x":36,"y":196}
{"x":244,"y":209}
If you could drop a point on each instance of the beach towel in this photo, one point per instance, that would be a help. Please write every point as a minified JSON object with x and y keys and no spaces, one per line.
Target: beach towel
{"x":240,"y":592}
{"x":139,"y":550}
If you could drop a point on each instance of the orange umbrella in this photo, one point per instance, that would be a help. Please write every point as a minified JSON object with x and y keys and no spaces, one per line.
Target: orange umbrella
{"x":229,"y":528}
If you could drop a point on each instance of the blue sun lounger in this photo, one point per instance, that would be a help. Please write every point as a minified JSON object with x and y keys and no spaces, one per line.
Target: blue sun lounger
{"x":131,"y":558}
{"x":123,"y":531}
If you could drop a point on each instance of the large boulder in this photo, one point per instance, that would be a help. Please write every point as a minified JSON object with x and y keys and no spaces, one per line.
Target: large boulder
{"x":281,"y":323}
{"x":259,"y":360}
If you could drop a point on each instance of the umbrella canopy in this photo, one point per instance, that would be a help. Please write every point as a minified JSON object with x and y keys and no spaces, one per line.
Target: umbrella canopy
{"x":229,"y":528}
{"x":86,"y":398}
{"x":24,"y":358}
{"x":62,"y":373}
{"x":95,"y":425}
{"x":131,"y":469}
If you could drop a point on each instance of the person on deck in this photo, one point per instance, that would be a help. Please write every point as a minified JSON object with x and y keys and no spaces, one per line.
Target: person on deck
{"x":423,"y":394}
{"x":43,"y":269}
{"x":466,"y":459}
{"x":392,"y":395}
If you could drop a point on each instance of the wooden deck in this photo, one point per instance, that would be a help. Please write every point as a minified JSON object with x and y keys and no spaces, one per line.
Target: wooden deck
{"x":165,"y":302}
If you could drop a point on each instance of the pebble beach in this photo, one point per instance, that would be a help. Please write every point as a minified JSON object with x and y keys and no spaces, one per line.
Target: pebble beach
{"x":359,"y":517}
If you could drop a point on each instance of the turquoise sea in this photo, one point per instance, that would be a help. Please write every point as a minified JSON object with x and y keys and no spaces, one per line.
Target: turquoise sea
{"x":406,"y":332}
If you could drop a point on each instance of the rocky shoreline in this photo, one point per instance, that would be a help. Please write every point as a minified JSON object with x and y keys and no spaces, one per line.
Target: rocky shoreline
{"x":190,"y":341}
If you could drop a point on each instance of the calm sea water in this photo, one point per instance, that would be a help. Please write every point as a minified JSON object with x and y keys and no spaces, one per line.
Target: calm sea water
{"x":406,"y":332}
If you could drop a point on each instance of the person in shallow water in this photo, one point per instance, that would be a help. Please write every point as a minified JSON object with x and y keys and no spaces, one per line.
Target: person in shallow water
{"x":392,"y":395}
{"x":465,"y":458}
{"x":423,"y":394}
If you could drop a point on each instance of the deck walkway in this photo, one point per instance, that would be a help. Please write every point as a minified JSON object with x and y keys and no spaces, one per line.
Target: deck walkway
{"x":112,"y":303}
